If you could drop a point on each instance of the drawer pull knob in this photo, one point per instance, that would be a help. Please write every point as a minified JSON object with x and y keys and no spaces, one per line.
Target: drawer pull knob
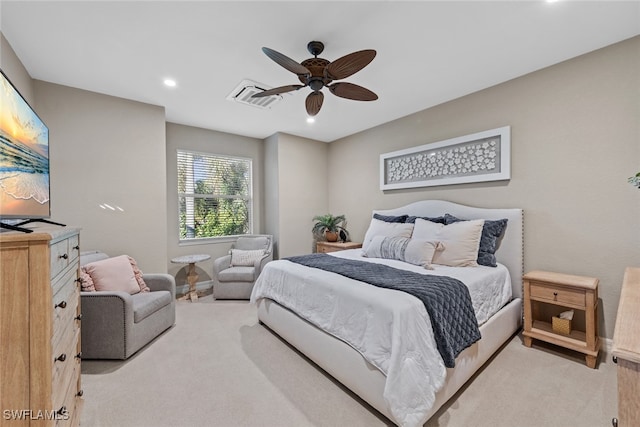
{"x":64,"y":256}
{"x":80,"y":393}
{"x":61,"y":358}
{"x":76,"y":247}
{"x":614,"y":422}
{"x":555,"y":296}
{"x":62,"y":411}
{"x":615,"y":359}
{"x":78,"y":317}
{"x":61,"y":304}
{"x":79,"y":355}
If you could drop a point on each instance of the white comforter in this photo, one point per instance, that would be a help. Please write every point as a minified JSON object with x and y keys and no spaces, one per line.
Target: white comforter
{"x":391,"y":329}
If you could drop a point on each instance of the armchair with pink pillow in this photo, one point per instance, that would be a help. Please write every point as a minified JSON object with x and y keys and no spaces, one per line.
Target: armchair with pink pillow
{"x":122,"y":308}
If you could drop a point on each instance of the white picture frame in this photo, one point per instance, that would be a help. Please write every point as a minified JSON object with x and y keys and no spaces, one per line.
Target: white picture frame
{"x":478,"y":157}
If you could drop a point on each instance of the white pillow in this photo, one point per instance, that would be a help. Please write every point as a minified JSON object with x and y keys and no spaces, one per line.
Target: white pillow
{"x":386,"y":229}
{"x":248,"y":258}
{"x":461,"y":241}
{"x":413,"y":251}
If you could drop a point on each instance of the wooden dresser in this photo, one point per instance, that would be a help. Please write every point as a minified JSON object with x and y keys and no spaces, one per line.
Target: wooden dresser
{"x":626,"y":350}
{"x":40,"y":327}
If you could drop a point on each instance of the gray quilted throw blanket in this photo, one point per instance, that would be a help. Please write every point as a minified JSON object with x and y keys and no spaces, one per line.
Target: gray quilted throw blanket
{"x":446,"y":299}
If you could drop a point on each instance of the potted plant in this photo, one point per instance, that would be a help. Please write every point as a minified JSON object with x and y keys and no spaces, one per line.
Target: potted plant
{"x":328,"y":226}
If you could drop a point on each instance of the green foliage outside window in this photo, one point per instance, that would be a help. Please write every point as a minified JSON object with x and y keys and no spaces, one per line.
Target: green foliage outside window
{"x":214,"y":195}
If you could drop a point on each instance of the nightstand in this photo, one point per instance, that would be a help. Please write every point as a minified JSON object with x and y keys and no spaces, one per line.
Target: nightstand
{"x":326,"y":247}
{"x":546,"y":294}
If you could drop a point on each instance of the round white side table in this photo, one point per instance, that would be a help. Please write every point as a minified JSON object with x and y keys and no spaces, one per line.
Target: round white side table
{"x":192,"y":276}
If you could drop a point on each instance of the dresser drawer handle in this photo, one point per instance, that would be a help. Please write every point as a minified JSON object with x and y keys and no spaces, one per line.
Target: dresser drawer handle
{"x":62,"y":411}
{"x":615,"y":359}
{"x":78,"y":317}
{"x":64,"y":256}
{"x":555,"y":296}
{"x":76,"y":247}
{"x":79,"y":355}
{"x":614,"y":422}
{"x":80,"y":393}
{"x":61,"y":304}
{"x":61,"y":358}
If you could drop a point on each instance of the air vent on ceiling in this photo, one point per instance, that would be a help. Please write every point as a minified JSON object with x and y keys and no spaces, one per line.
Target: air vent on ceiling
{"x":247,"y":88}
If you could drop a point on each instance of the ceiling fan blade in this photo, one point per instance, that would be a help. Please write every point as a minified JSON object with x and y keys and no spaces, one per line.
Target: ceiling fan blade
{"x":286,"y":62}
{"x":349,"y":64}
{"x":314,"y":103}
{"x":351,"y":91}
{"x":277,"y":91}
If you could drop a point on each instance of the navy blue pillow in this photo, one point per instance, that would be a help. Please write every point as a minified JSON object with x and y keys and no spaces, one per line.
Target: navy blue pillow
{"x":390,"y":218}
{"x":491,"y":233}
{"x":439,"y":219}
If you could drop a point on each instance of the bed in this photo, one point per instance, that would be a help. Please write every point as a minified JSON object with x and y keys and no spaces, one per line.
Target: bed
{"x":402,"y":377}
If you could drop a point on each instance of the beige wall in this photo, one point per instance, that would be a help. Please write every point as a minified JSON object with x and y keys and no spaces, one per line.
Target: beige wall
{"x":108,"y":150}
{"x":298,"y":193}
{"x":103,"y":149}
{"x":207,"y":141}
{"x":575,"y":138}
{"x":15,"y":71}
{"x":272,"y":192}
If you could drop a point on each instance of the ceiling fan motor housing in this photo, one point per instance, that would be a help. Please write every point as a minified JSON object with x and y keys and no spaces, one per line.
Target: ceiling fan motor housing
{"x":318,"y":77}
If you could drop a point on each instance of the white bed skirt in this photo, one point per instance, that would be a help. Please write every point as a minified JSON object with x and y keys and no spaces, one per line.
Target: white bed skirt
{"x":346,"y":365}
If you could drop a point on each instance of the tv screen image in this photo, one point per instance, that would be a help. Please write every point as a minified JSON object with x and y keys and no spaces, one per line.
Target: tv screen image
{"x":24,"y":157}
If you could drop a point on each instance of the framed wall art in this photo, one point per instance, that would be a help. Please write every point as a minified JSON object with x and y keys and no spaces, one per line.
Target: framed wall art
{"x":482,"y":156}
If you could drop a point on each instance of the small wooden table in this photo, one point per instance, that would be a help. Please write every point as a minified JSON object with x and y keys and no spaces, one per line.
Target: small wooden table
{"x":561,"y":291}
{"x":192,"y":276}
{"x":326,"y":247}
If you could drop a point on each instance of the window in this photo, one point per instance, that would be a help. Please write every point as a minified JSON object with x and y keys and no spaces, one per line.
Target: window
{"x":214,"y":195}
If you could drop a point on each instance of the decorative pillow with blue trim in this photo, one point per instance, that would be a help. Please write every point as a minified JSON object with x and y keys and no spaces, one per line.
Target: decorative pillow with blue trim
{"x":491,"y":233}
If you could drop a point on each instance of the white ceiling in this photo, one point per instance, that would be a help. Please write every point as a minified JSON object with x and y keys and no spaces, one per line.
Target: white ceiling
{"x":429,"y":52}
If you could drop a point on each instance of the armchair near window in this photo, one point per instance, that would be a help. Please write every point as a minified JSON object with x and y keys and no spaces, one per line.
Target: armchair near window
{"x":235,"y":274}
{"x":117,"y":323}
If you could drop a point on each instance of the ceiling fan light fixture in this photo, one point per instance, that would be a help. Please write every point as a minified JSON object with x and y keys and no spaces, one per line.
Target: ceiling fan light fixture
{"x":317,"y":73}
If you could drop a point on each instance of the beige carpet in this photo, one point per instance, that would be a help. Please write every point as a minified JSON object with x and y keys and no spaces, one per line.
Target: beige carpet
{"x":218,"y":367}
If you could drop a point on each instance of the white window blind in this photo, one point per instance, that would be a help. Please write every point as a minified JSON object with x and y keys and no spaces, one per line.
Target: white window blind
{"x":214,"y":195}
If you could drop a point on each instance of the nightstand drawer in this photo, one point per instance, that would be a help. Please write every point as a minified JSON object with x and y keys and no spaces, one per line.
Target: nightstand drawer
{"x":554,"y":294}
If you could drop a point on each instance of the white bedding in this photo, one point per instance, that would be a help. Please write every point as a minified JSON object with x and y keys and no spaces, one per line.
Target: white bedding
{"x":391,"y":329}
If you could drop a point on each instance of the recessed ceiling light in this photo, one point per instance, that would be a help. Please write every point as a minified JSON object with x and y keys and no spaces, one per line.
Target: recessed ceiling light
{"x":169,"y":82}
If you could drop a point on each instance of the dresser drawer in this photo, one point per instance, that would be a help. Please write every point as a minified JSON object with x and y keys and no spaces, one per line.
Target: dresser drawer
{"x":554,"y":294}
{"x":65,"y":321}
{"x":67,"y":280}
{"x":64,"y":253}
{"x":70,"y":402}
{"x":65,"y":300}
{"x":62,"y":374}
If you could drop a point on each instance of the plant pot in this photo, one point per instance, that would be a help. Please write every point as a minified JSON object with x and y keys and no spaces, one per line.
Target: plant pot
{"x":331,"y":236}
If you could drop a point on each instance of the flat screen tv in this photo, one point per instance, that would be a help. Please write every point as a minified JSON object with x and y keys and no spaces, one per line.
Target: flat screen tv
{"x":24,"y":159}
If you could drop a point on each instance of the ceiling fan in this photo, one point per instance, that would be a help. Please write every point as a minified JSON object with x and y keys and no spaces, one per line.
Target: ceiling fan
{"x":317,"y":73}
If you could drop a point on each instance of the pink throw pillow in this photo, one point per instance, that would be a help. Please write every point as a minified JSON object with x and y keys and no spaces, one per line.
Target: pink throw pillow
{"x":86,"y":283}
{"x":113,"y":274}
{"x":138,"y":275}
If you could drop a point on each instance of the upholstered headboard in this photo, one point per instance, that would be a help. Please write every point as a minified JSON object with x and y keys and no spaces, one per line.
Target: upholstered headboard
{"x":511,"y":247}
